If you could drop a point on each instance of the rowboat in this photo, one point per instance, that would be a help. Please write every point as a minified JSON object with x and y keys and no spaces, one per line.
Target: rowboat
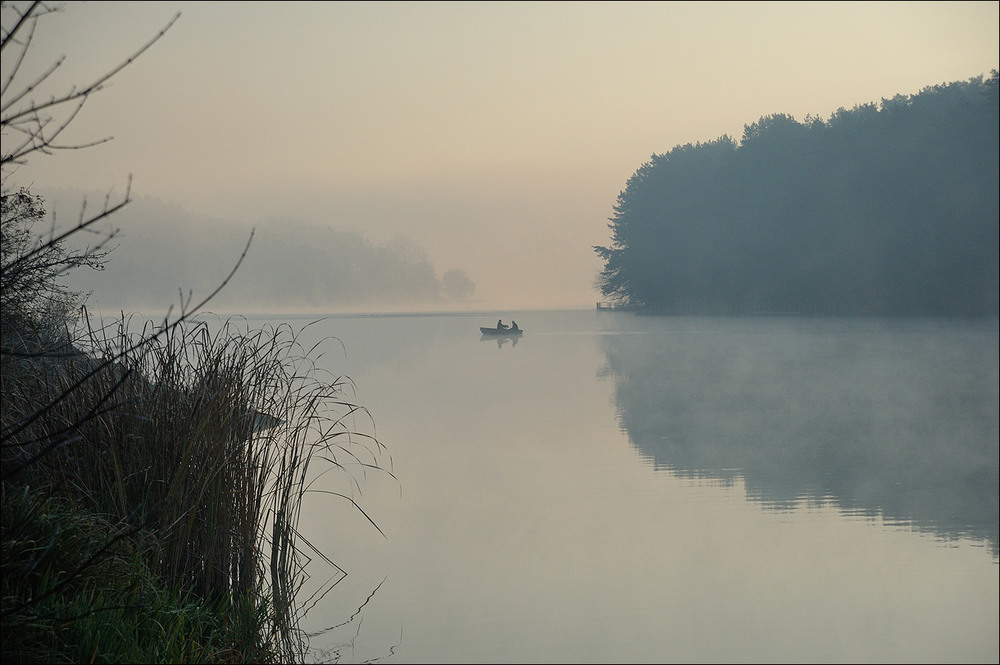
{"x":500,"y":332}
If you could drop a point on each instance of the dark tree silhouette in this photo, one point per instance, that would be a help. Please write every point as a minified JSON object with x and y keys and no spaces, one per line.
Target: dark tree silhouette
{"x":886,"y":208}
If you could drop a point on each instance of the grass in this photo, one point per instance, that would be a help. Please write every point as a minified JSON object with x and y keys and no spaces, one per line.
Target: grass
{"x":152,"y":478}
{"x":152,"y":486}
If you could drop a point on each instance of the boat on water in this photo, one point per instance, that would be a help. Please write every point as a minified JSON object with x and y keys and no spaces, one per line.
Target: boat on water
{"x":501,"y":332}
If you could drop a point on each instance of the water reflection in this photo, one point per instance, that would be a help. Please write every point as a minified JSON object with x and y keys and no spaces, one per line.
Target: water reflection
{"x":501,"y":340}
{"x":893,"y":418}
{"x":340,"y":639}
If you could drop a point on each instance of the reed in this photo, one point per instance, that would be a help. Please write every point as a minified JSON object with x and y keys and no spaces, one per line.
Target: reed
{"x":187,"y":448}
{"x":152,"y":478}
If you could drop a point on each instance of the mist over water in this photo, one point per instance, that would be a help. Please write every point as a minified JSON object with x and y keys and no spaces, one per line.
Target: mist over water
{"x":619,"y":488}
{"x":890,"y":418}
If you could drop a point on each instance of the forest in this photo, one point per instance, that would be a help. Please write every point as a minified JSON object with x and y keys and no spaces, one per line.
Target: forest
{"x":889,"y":208}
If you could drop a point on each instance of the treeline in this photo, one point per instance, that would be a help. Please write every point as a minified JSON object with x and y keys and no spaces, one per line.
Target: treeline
{"x":888,"y":208}
{"x":292,"y":265}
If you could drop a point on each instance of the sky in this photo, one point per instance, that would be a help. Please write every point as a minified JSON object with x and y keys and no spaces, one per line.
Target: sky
{"x":494,"y":136}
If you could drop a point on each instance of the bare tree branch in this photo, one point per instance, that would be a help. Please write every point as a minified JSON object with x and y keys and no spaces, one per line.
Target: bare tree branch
{"x":34,"y":120}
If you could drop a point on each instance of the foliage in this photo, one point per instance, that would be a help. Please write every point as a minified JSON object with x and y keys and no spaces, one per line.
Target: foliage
{"x":31,"y":265}
{"x":885,"y":209}
{"x":110,"y":608}
{"x":174,"y":441}
{"x":152,"y":473}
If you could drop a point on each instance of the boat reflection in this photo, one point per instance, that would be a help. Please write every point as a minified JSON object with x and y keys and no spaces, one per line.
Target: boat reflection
{"x":501,"y":340}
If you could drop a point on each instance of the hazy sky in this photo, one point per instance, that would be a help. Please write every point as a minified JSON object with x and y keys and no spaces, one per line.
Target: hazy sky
{"x":494,"y":135}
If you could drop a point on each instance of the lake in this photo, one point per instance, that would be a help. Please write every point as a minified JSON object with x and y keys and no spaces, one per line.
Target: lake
{"x":621,"y":488}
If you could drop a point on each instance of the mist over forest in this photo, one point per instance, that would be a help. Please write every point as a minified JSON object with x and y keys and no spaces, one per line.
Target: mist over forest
{"x":886,"y":208}
{"x":163,"y":251}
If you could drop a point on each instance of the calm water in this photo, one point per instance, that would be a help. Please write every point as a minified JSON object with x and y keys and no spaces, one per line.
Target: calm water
{"x":618,"y":488}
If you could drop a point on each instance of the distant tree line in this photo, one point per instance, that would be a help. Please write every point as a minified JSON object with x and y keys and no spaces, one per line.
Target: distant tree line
{"x":293,"y":265}
{"x":888,"y":208}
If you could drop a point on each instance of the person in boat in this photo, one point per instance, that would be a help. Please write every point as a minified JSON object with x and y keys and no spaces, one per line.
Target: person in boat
{"x":513,"y":325}
{"x":500,"y":325}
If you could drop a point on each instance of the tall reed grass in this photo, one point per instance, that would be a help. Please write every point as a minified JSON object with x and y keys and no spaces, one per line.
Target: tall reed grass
{"x":168,"y":461}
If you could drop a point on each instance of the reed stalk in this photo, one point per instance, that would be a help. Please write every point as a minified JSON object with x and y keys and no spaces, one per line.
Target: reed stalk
{"x":194,"y":446}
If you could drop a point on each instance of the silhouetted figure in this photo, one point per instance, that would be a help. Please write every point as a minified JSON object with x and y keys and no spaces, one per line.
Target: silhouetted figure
{"x":513,"y":325}
{"x":500,"y":325}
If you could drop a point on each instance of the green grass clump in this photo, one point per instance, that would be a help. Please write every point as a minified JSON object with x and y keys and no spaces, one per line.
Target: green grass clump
{"x":83,"y":593}
{"x":152,"y":483}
